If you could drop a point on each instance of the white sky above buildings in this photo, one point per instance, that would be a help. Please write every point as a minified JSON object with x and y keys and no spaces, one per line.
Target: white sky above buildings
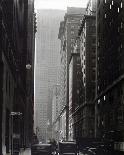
{"x":59,"y":4}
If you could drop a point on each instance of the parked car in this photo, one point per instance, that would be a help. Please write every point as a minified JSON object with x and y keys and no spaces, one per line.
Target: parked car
{"x":67,"y":148}
{"x":41,"y":149}
{"x":92,"y":151}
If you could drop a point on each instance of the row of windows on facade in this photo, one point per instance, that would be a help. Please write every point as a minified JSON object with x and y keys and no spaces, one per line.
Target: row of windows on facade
{"x":93,"y":41}
{"x":83,"y":114}
{"x":119,"y":69}
{"x":109,"y":16}
{"x":7,"y":49}
{"x":114,"y":71}
{"x":119,"y":117}
{"x":105,"y":1}
{"x":111,"y":99}
{"x":84,"y":67}
{"x":82,"y":132}
{"x":73,"y":27}
{"x":118,"y":11}
{"x":110,"y":23}
{"x":112,"y":3}
{"x":100,"y":43}
{"x":120,"y":94}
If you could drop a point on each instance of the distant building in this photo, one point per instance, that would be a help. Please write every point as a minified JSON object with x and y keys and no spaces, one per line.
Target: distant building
{"x":63,"y":80}
{"x":55,"y":111}
{"x":47,"y":66}
{"x":110,"y":68}
{"x":67,"y":34}
{"x":75,"y":95}
{"x":91,"y":7}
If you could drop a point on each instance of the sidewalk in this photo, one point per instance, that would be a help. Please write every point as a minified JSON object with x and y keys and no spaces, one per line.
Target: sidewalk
{"x":27,"y":151}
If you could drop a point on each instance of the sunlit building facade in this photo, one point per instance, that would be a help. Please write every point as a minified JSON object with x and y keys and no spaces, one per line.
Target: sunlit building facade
{"x":87,"y":35}
{"x":67,"y":34}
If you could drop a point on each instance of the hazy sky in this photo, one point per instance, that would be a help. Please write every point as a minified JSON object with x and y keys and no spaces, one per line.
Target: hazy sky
{"x":59,"y":4}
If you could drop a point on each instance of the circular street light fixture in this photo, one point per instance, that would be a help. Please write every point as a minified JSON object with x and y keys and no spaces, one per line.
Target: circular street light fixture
{"x":28,"y":66}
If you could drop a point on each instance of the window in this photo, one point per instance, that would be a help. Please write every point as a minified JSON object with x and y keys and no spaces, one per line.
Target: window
{"x":72,"y":26}
{"x":104,"y":98}
{"x":121,"y":46}
{"x":72,"y":32}
{"x":118,"y":29}
{"x":72,"y":40}
{"x":118,"y":10}
{"x":105,"y":1}
{"x":105,"y":15}
{"x":98,"y":43}
{"x":72,"y":45}
{"x":110,"y":6}
{"x":110,"y":24}
{"x":112,"y":2}
{"x":78,"y":27}
{"x":98,"y":87}
{"x":93,"y":40}
{"x":121,"y":5}
{"x":121,"y":25}
{"x":98,"y":101}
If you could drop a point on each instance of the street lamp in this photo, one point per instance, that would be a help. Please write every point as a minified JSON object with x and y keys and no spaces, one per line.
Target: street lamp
{"x":15,"y":113}
{"x":28,"y":66}
{"x":14,"y":135}
{"x":47,"y":124}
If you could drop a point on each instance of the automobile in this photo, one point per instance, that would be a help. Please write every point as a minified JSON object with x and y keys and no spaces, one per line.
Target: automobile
{"x":112,"y":136}
{"x":92,"y":151}
{"x":67,"y":148}
{"x":85,"y":151}
{"x":41,"y":149}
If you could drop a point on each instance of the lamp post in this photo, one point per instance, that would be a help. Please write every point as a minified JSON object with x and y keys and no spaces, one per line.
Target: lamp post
{"x":15,"y":135}
{"x":28,"y":66}
{"x":47,"y":124}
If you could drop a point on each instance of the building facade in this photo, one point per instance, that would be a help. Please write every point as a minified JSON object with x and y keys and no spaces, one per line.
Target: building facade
{"x":87,"y":35}
{"x":91,"y":7}
{"x":13,"y":58}
{"x":67,"y":34}
{"x":75,"y":96}
{"x":47,"y":66}
{"x":63,"y":80}
{"x":110,"y":67}
{"x":55,"y":111}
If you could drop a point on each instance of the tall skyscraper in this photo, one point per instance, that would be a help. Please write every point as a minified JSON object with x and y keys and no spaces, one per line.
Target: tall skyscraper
{"x":47,"y":65}
{"x":17,"y":35}
{"x":68,"y":33}
{"x":110,"y":70}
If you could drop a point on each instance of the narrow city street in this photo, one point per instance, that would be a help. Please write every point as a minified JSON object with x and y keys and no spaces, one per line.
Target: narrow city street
{"x":62,"y":77}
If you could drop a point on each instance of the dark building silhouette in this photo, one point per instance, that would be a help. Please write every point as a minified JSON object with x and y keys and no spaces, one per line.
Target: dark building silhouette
{"x":110,"y":67}
{"x":75,"y":96}
{"x":16,"y":59}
